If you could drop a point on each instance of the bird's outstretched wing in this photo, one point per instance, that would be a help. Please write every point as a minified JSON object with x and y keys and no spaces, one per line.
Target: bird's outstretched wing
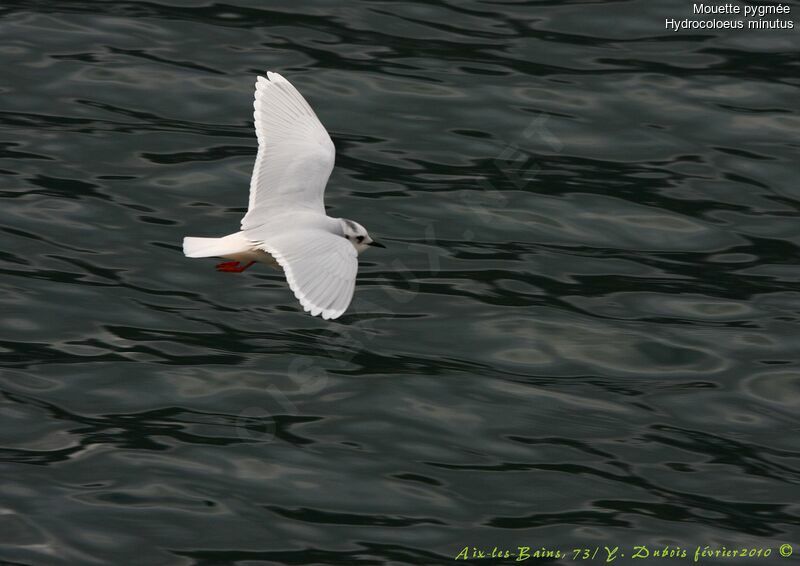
{"x":320,"y":267}
{"x":295,"y":153}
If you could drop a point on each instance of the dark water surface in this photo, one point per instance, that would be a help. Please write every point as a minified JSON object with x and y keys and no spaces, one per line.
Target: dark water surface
{"x":584,"y":331}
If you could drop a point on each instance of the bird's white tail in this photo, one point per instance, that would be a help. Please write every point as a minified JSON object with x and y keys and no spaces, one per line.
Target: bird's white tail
{"x":215,"y":247}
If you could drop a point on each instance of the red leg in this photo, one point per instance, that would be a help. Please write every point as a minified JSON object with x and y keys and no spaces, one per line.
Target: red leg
{"x":232,"y":266}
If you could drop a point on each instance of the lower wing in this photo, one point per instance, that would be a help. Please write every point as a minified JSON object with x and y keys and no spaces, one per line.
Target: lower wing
{"x":320,"y":267}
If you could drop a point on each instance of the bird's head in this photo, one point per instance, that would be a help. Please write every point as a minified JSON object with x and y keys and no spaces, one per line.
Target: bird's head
{"x":358,"y":236}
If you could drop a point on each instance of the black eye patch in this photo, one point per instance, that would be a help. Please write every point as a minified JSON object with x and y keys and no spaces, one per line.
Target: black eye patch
{"x":360,"y":239}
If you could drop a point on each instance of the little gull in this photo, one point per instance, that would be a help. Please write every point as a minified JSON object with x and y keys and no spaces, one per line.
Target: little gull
{"x":286,"y":224}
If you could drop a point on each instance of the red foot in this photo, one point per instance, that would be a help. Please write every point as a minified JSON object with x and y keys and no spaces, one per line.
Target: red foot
{"x":232,"y":266}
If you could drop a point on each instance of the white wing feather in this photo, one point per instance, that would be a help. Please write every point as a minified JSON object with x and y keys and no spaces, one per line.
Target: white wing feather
{"x":320,"y":268}
{"x":295,"y":154}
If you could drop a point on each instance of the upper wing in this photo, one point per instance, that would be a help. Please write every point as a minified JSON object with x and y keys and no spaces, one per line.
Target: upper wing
{"x":320,"y":268}
{"x":295,"y":153}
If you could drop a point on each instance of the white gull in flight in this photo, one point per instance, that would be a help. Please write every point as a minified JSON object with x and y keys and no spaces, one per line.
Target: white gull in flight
{"x":286,"y":224}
